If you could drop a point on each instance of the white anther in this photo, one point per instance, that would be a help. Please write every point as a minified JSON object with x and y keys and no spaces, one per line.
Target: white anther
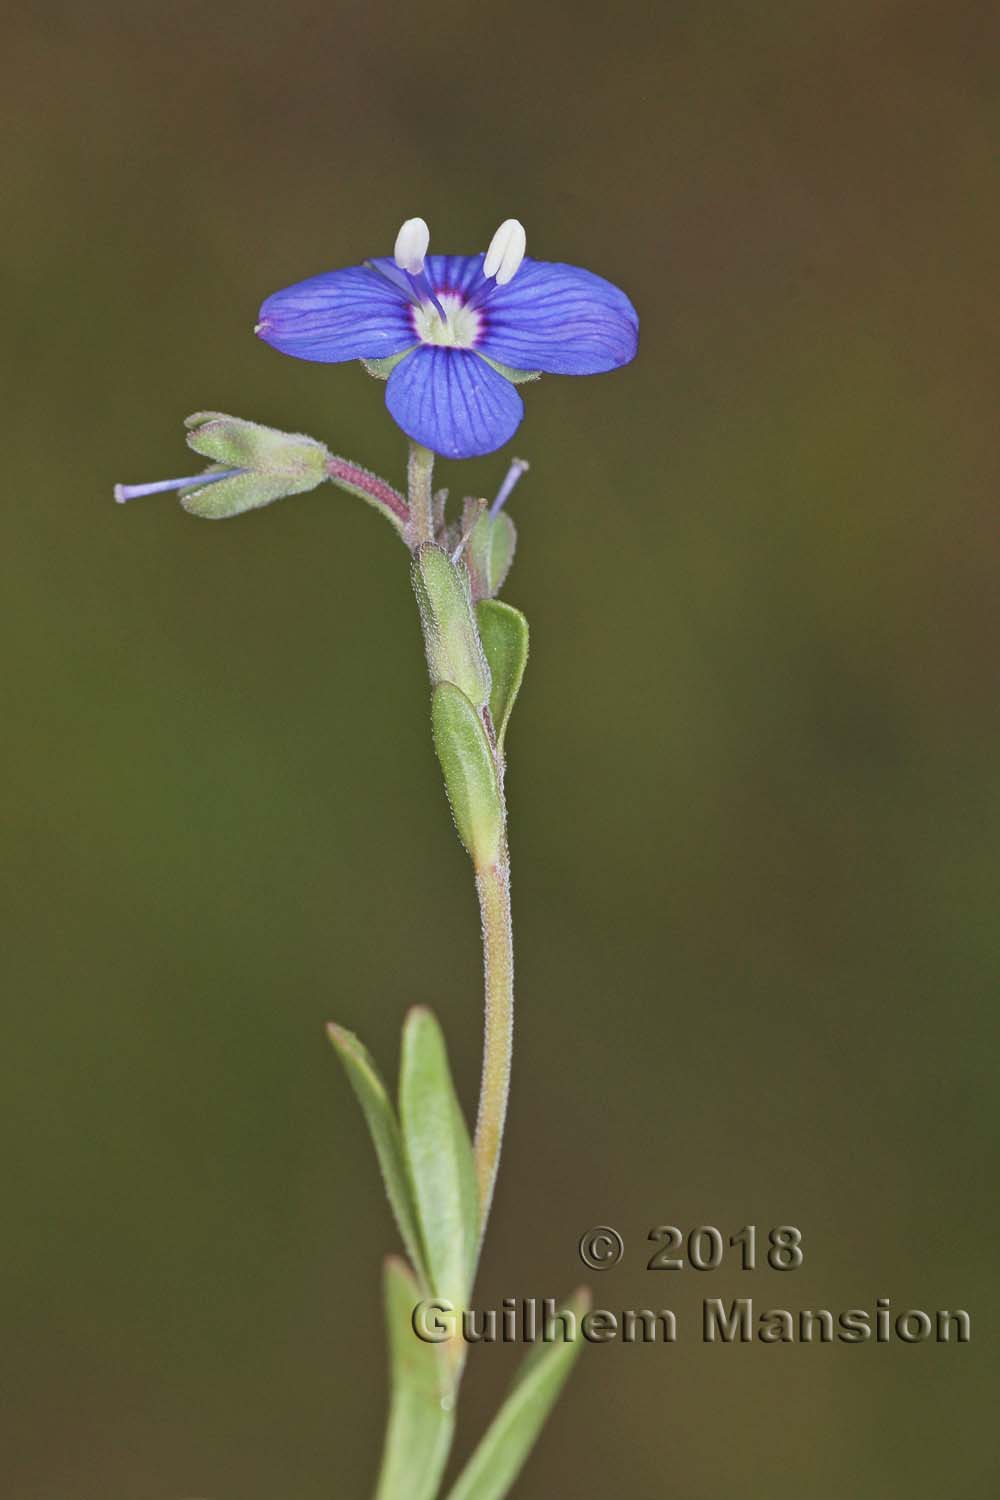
{"x":411,"y":246}
{"x":506,"y":251}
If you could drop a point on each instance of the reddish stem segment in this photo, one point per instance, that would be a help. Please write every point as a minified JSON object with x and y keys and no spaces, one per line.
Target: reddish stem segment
{"x":359,"y":481}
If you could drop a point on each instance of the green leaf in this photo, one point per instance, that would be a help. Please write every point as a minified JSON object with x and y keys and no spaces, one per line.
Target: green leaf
{"x":386,"y":1137}
{"x":421,"y":1417}
{"x":496,"y":1463}
{"x":454,"y":651}
{"x":470,"y":775}
{"x":439,"y":1155}
{"x":489,"y":552}
{"x":504,"y":633}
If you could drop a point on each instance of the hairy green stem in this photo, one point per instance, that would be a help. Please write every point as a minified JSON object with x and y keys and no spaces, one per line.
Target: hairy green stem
{"x":493,"y":888}
{"x":420,"y":474}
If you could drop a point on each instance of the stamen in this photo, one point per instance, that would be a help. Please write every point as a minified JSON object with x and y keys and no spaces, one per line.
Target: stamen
{"x":411,"y":246}
{"x":518,"y":467}
{"x":125,"y":492}
{"x":416,"y":289}
{"x":506,"y":251}
{"x":395,"y":277}
{"x":425,"y":293}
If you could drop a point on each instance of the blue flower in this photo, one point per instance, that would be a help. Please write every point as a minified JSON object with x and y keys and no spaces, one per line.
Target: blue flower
{"x":454,"y":334}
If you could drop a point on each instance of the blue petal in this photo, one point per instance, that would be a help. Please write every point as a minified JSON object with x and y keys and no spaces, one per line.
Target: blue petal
{"x":453,"y":401}
{"x":457,"y":273}
{"x":446,"y":273}
{"x":351,"y":314}
{"x":561,"y":319}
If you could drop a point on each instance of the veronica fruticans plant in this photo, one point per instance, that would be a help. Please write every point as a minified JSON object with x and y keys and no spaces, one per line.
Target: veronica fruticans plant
{"x":453,"y":336}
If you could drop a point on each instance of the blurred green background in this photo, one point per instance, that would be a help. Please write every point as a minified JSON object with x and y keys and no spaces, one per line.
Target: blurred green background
{"x":753,"y":779}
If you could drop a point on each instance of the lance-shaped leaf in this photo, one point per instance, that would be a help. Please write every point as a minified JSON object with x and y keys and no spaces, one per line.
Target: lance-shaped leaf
{"x":386,"y":1137}
{"x":496,"y":1463}
{"x":454,"y":651}
{"x":470,"y":775}
{"x":489,"y":550}
{"x":421,"y":1416}
{"x":439,"y":1156}
{"x":504,"y":633}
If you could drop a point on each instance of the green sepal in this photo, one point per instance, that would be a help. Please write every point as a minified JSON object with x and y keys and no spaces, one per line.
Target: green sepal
{"x":272,"y":464}
{"x":454,"y":651}
{"x":225,"y":498}
{"x":383,"y":368}
{"x":470,"y":775}
{"x":489,"y":549}
{"x":387,"y":1139}
{"x":500,"y":1456}
{"x":516,"y":377}
{"x":504,"y":634}
{"x":439,"y":1158}
{"x":421,"y":1411}
{"x":238,"y":444}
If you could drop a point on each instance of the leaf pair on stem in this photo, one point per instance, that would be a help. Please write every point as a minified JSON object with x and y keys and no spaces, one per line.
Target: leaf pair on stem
{"x":425,"y":1157}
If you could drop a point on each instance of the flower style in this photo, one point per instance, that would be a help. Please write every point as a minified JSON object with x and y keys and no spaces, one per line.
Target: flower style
{"x":454,"y":334}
